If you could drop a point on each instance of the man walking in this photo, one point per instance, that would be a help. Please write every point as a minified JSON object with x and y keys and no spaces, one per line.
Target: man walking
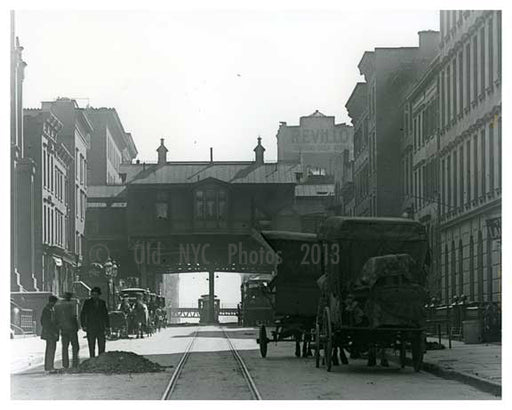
{"x":50,"y":332}
{"x":67,"y":320}
{"x":95,"y":321}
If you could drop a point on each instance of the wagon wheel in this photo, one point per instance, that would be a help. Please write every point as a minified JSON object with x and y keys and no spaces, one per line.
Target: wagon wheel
{"x":263,"y":341}
{"x":417,"y":351}
{"x":328,"y":339}
{"x":317,"y":343}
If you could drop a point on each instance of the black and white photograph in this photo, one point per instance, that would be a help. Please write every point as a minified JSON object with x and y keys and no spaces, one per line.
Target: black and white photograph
{"x":254,"y":202}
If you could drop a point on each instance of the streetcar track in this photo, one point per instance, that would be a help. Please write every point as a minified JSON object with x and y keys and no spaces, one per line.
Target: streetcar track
{"x":177,"y":372}
{"x":240,"y":362}
{"x":243,"y":368}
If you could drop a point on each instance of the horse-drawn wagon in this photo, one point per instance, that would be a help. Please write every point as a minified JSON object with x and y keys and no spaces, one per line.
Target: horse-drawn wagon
{"x":293,"y":290}
{"x":373,"y":295}
{"x":257,"y":307}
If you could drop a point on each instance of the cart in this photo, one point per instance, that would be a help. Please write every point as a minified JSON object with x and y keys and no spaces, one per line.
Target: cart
{"x":373,"y":297}
{"x":293,"y":290}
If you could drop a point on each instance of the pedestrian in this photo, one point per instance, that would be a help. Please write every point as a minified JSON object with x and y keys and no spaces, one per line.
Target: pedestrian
{"x":67,"y":320}
{"x":95,"y":321}
{"x":50,"y":332}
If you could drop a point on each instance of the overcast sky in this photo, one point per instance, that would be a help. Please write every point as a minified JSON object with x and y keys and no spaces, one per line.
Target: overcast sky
{"x":201,"y":79}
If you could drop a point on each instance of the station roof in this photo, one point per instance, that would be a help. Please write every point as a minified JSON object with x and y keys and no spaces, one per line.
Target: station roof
{"x":229,"y":172}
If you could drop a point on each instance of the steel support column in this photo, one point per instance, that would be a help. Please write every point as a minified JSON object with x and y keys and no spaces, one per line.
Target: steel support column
{"x":211,"y":297}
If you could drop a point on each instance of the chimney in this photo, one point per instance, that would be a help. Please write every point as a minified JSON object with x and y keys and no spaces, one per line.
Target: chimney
{"x":162,"y":153}
{"x":259,"y":153}
{"x":211,"y":154}
{"x":429,"y":42}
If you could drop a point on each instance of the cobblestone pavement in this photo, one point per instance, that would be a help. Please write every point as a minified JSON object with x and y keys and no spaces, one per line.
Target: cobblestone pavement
{"x":279,"y":376}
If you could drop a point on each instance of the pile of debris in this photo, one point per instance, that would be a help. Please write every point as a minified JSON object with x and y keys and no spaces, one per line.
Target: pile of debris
{"x":119,"y":362}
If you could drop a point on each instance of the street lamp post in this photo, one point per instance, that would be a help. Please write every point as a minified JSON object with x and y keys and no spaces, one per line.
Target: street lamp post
{"x":108,"y":273}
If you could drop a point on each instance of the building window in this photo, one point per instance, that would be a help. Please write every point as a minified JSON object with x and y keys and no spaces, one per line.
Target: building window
{"x":475,"y":164}
{"x":443,"y":186}
{"x":461,"y":171}
{"x":468,"y":170}
{"x":471,"y":269}
{"x":461,"y":268}
{"x":454,"y":94}
{"x":483,"y":156}
{"x":461,"y":85}
{"x":482,"y":60}
{"x":45,"y":227}
{"x":448,"y":91}
{"x":491,"y":52}
{"x":468,"y":76}
{"x":455,"y":179}
{"x":161,"y":205}
{"x":442,"y":99}
{"x":491,"y":158}
{"x":475,"y":68}
{"x":453,"y":281}
{"x":82,"y":205}
{"x":449,"y":178}
{"x":77,"y":201}
{"x":480,"y":267}
{"x":45,"y":184}
{"x":446,"y":275}
{"x":77,"y":164}
{"x":52,"y":225}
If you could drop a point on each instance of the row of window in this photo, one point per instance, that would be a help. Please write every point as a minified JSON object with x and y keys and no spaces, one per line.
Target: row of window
{"x":54,"y":226}
{"x":80,"y":167}
{"x":113,"y":155}
{"x":473,"y":169}
{"x":469,"y":281}
{"x":361,"y":138}
{"x":361,"y":184}
{"x":425,"y":124}
{"x":80,"y":202}
{"x":450,"y":19}
{"x":424,"y":187}
{"x":467,"y":76}
{"x":209,"y":204}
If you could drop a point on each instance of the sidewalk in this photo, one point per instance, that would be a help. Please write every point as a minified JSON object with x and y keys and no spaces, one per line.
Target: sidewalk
{"x":27,"y":353}
{"x":478,"y":365}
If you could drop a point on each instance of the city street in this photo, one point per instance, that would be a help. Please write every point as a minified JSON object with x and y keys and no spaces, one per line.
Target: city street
{"x":211,"y":372}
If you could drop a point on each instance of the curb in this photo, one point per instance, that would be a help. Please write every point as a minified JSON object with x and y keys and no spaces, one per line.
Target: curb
{"x":473,"y":380}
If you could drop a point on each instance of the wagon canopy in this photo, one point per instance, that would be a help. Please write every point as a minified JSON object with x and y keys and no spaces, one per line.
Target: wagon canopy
{"x":360,"y":239}
{"x":368,"y":229}
{"x":298,"y":254}
{"x":298,"y":267}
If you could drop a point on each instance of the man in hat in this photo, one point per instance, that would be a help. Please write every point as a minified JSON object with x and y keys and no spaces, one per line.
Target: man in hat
{"x":50,"y":332}
{"x":95,"y":321}
{"x":67,"y":320}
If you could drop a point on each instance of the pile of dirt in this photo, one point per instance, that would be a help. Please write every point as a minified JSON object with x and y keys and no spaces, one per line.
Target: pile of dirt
{"x":119,"y":362}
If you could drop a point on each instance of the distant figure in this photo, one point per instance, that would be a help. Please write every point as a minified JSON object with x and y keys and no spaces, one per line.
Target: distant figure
{"x":50,"y":332}
{"x":95,"y":321}
{"x":67,"y":320}
{"x":140,"y":314}
{"x":124,"y":306}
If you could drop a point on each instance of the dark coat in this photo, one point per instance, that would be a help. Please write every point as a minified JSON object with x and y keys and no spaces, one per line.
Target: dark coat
{"x":94,"y":317}
{"x":66,"y":316}
{"x":49,"y":323}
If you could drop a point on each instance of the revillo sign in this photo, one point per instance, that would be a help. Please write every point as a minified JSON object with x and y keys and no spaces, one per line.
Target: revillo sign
{"x":316,"y":133}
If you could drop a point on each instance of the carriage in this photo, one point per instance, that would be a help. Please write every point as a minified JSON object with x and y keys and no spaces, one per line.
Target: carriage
{"x":372,"y":288}
{"x":256,"y":307}
{"x":293,"y":290}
